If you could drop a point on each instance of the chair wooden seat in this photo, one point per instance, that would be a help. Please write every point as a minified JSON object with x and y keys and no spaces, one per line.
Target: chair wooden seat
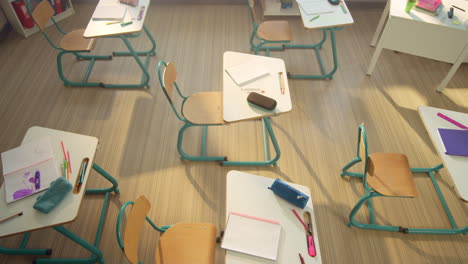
{"x":204,"y":108}
{"x":74,"y":41}
{"x":275,"y":31}
{"x":186,"y":243}
{"x":390,"y":175}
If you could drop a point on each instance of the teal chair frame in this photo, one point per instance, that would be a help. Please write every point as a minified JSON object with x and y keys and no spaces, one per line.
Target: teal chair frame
{"x":96,"y":254}
{"x":266,"y":125}
{"x":81,"y":55}
{"x":316,"y":47}
{"x":119,"y":225}
{"x":371,"y":193}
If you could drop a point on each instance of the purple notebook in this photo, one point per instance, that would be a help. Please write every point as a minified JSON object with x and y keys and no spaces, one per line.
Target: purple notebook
{"x":455,"y":141}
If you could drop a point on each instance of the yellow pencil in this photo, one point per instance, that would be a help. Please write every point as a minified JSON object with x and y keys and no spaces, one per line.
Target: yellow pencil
{"x":115,"y":22}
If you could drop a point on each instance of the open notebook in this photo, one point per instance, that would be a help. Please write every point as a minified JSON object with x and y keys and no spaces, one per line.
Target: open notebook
{"x":252,"y":235}
{"x":103,"y":12}
{"x":28,"y":169}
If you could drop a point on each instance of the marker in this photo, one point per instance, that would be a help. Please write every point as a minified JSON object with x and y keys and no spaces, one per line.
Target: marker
{"x":315,"y":17}
{"x":13,"y":216}
{"x":126,"y":24}
{"x":37,"y":180}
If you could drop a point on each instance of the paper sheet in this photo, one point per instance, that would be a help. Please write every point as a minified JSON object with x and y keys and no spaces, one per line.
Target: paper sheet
{"x":312,"y":7}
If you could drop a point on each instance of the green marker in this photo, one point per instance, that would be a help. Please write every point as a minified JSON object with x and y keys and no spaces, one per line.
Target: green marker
{"x":315,"y":17}
{"x":126,"y":24}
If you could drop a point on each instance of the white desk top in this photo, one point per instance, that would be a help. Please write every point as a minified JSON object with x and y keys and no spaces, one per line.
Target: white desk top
{"x":397,"y":9}
{"x":100,"y":29}
{"x":79,"y":146}
{"x":337,"y":18}
{"x":235,"y":105}
{"x":456,"y":165}
{"x":249,"y":194}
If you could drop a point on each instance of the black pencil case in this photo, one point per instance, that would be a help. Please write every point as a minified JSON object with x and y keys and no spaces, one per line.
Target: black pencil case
{"x":261,"y":101}
{"x":289,"y":193}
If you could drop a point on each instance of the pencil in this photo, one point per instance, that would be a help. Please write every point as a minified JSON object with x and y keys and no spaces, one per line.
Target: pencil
{"x":458,"y":8}
{"x":115,"y":22}
{"x":69,"y":161}
{"x":13,"y":216}
{"x":282,"y":82}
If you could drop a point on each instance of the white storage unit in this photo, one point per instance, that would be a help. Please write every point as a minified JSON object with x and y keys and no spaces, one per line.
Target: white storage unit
{"x":26,"y":32}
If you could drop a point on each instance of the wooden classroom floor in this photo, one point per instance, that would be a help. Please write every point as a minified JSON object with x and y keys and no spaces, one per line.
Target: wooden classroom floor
{"x":137,"y":131}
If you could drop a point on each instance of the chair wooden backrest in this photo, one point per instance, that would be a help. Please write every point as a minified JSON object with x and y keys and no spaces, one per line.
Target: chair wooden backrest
{"x":133,"y":227}
{"x":169,"y":77}
{"x":42,"y":14}
{"x":363,"y":151}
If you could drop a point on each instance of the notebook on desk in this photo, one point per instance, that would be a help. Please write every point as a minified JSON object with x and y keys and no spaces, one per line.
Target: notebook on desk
{"x":28,"y":169}
{"x":313,"y":7}
{"x":247,"y":72}
{"x":252,"y":235}
{"x":455,"y":141}
{"x":103,"y":12}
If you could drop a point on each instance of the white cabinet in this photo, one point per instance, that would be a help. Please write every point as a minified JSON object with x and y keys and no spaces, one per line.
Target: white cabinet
{"x":26,"y":32}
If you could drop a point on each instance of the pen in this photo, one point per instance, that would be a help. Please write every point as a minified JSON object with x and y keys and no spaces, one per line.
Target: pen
{"x":69,"y":161}
{"x":301,"y":258}
{"x":451,"y":120}
{"x":343,"y":8}
{"x":83,"y":172}
{"x":126,"y":24}
{"x":282,"y":81}
{"x":37,"y":180}
{"x":142,"y":11}
{"x":458,"y":8}
{"x":114,"y":22}
{"x":315,"y":17}
{"x":13,"y":216}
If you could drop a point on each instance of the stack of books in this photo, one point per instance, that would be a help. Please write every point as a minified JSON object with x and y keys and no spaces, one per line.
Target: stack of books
{"x":430,"y":7}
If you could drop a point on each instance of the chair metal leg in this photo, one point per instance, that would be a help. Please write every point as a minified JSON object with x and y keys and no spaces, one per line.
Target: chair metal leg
{"x":345,"y":172}
{"x":194,"y":158}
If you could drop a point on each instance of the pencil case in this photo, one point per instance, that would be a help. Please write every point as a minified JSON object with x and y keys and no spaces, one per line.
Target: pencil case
{"x":53,"y":196}
{"x":261,"y":101}
{"x":289,"y":193}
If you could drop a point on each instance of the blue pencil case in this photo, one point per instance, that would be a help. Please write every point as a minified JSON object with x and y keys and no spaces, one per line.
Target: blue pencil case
{"x":53,"y":196}
{"x":289,"y":193}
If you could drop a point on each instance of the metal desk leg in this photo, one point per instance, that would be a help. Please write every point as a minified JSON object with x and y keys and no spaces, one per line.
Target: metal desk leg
{"x":317,"y":48}
{"x":267,"y":132}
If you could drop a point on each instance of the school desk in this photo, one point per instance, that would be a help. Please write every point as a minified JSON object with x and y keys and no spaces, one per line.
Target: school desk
{"x":416,"y":33}
{"x":249,"y":194}
{"x":328,"y":23}
{"x":136,"y":15}
{"x":235,"y":105}
{"x":79,"y":147}
{"x":456,"y":165}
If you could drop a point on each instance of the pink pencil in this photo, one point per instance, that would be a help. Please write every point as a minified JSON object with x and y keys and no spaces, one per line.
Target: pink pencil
{"x":69,"y":161}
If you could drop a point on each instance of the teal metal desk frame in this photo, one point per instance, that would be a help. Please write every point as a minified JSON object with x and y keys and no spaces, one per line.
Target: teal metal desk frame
{"x":96,"y":254}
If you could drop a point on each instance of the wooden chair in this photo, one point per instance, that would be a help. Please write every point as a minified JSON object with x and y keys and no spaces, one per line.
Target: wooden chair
{"x":181,"y":243}
{"x":389,"y":175}
{"x":200,"y":109}
{"x":267,"y":32}
{"x":72,"y":42}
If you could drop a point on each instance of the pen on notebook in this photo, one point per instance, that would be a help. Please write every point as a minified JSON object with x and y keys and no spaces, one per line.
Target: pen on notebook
{"x":301,"y":258}
{"x":13,"y":216}
{"x":451,"y":120}
{"x":37,"y":180}
{"x":315,"y":17}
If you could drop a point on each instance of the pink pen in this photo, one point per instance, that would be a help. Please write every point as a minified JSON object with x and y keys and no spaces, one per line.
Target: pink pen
{"x":451,"y":121}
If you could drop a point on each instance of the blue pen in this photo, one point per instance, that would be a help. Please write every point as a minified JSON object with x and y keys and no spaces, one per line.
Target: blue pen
{"x":37,"y":180}
{"x":83,"y":171}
